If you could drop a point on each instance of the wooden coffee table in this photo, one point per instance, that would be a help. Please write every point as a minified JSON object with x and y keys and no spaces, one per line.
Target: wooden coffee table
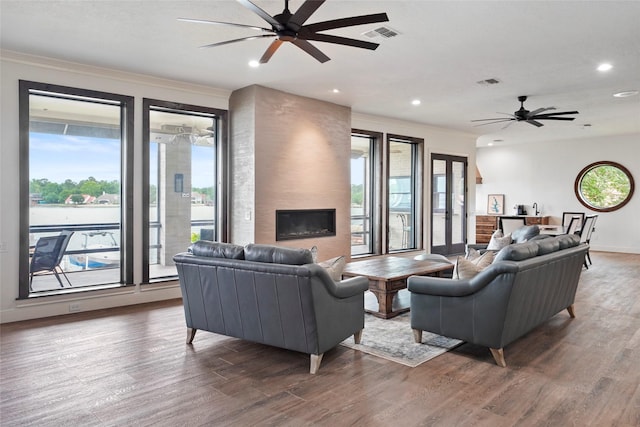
{"x":388,"y":275}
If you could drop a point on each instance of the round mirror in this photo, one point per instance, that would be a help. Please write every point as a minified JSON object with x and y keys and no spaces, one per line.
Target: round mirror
{"x":604,"y":186}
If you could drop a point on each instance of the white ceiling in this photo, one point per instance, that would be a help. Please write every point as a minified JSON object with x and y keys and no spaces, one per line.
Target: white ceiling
{"x":548,"y":50}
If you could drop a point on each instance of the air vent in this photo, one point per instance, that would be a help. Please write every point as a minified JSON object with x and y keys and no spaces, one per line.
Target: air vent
{"x":385,"y":32}
{"x":489,"y":82}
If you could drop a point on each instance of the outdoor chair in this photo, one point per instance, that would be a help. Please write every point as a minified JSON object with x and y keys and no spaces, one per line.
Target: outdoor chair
{"x":48,"y":254}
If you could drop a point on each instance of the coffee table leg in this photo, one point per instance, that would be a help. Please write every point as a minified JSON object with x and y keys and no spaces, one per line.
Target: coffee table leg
{"x":385,"y":299}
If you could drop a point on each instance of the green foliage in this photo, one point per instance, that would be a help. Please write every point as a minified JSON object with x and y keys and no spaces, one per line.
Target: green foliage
{"x":195,"y":237}
{"x":357,"y":194}
{"x":210,"y":192}
{"x":52,"y":192}
{"x":605,"y":186}
{"x":77,"y":198}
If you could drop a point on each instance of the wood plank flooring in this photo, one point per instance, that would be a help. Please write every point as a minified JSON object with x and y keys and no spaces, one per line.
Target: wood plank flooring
{"x":131,"y":366}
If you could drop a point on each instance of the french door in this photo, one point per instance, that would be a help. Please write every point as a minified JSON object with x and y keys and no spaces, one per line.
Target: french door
{"x":448,"y":204}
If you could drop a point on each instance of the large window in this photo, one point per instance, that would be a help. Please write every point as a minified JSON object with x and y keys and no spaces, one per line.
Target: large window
{"x":73,"y":147}
{"x":404,"y":191}
{"x":604,"y":186}
{"x":364,"y":198}
{"x":183,"y":182}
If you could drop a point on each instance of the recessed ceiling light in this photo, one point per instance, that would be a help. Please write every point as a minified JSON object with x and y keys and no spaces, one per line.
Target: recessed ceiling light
{"x":625,"y":94}
{"x":415,"y":102}
{"x":605,"y":66}
{"x":336,"y":91}
{"x":490,"y":144}
{"x":254,"y":64}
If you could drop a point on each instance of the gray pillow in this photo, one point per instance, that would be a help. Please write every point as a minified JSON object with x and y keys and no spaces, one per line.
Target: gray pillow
{"x":517,"y":252}
{"x":211,"y":249}
{"x":277,"y":254}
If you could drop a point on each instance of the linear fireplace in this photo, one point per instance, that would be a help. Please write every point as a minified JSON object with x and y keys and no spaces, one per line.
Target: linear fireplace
{"x":305,"y":223}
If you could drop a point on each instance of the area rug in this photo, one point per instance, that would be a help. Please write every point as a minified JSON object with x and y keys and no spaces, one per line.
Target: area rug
{"x":392,"y":339}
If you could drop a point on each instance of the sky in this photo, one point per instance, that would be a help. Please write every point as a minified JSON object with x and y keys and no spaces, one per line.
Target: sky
{"x":61,"y":157}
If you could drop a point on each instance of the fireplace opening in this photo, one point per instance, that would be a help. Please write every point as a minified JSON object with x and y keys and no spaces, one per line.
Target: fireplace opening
{"x":305,"y":223}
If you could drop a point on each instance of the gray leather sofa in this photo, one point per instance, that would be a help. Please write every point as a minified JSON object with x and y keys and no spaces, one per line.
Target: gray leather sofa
{"x":525,"y":285}
{"x":270,"y":295}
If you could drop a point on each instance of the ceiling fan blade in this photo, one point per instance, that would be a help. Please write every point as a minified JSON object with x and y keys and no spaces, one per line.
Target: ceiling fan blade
{"x":496,"y":118}
{"x":533,"y":122}
{"x":204,"y":21}
{"x":311,"y":50}
{"x":236,"y":40}
{"x":347,"y":22}
{"x":494,"y":122}
{"x":562,"y":113}
{"x":261,"y":13}
{"x":270,"y":51}
{"x":553,"y":118}
{"x":337,"y":40}
{"x":540,"y":110}
{"x":304,"y":12}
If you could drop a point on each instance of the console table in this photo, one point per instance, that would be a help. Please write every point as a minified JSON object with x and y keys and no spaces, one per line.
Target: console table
{"x":487,"y":224}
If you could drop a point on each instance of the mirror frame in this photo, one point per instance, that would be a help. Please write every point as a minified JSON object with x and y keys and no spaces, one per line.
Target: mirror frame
{"x":589,"y":168}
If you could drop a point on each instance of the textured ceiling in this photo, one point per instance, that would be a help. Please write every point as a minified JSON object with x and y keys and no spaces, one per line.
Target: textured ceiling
{"x":548,"y":50}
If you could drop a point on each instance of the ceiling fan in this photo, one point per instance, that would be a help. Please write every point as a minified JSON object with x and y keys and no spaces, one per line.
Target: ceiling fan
{"x":531,"y":117}
{"x":288,"y":27}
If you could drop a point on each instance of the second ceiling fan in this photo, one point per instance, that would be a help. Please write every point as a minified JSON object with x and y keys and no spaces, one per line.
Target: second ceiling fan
{"x":531,"y":117}
{"x":288,"y":27}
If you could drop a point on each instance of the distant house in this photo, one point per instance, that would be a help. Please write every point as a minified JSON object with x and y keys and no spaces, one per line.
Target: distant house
{"x":108,"y":199}
{"x":87,"y":198}
{"x":198,"y":198}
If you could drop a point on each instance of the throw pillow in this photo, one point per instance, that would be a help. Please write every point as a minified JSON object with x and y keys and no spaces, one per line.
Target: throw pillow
{"x":465,"y":269}
{"x":484,"y":260}
{"x":497,"y":243}
{"x":472,"y":254}
{"x":335,"y":267}
{"x":314,"y":254}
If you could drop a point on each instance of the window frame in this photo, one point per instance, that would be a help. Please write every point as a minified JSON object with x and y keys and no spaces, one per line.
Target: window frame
{"x":25,"y":89}
{"x":417,"y":166}
{"x":577,"y":187}
{"x":222,"y":214}
{"x":375,"y":208}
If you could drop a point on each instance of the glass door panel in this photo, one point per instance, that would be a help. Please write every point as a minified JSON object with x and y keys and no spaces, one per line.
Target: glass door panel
{"x":361,"y":194}
{"x":402,"y":186}
{"x":182,"y":185}
{"x":448,"y":204}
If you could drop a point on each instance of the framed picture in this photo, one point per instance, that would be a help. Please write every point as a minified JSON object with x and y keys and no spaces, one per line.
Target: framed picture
{"x":495,"y":204}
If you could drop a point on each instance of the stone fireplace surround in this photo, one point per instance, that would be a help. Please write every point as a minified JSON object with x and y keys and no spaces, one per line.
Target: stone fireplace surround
{"x":288,"y":152}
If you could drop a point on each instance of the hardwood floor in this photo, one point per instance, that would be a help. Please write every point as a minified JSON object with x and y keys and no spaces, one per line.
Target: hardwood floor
{"x":131,"y":366}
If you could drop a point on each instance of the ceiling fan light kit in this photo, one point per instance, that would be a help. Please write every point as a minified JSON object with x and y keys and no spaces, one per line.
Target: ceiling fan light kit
{"x":288,"y":27}
{"x":531,"y":117}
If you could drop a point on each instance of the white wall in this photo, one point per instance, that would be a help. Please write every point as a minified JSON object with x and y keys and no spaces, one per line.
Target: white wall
{"x":545,"y":173}
{"x":15,"y":67}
